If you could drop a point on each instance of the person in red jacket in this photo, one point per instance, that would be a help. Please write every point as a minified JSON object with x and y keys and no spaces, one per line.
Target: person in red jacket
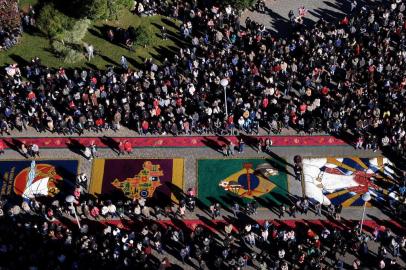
{"x":128,"y":147}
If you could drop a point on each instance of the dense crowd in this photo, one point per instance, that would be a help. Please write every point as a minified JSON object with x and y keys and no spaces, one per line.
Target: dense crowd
{"x":336,"y":78}
{"x":331,"y":77}
{"x":9,"y":37}
{"x":127,"y":233}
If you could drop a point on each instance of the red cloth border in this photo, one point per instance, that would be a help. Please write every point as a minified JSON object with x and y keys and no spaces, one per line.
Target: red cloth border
{"x":182,"y":141}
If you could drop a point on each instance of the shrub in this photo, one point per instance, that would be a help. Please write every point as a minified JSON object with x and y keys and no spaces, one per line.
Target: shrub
{"x":124,"y":4}
{"x":59,"y":48}
{"x":9,"y":14}
{"x":69,"y":54}
{"x":77,"y":33}
{"x":104,"y":9}
{"x":144,"y":35}
{"x":73,"y":56}
{"x":96,"y":9}
{"x":51,"y":22}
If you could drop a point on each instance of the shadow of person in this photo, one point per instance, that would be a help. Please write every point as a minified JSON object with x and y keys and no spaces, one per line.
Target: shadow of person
{"x":111,"y":143}
{"x":15,"y":145}
{"x":76,"y":147}
{"x":212,"y":143}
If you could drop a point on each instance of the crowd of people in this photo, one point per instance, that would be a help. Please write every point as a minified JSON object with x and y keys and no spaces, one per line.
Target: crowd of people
{"x":9,"y":37}
{"x":333,"y":77}
{"x":337,"y":78}
{"x":124,"y":233}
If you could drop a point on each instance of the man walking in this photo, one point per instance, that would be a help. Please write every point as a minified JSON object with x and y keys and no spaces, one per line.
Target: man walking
{"x":124,"y":62}
{"x":90,"y":51}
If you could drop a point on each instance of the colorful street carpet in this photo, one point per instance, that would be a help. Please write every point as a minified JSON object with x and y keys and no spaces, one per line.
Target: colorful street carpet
{"x":47,"y":179}
{"x":181,"y":141}
{"x":344,"y":180}
{"x":240,"y":180}
{"x":161,"y":179}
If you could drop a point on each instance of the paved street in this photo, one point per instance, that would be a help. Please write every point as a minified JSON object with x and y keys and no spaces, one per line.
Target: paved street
{"x":191,"y":155}
{"x":276,"y":17}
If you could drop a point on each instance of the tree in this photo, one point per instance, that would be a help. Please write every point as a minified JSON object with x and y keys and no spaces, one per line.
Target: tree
{"x":51,"y":22}
{"x":9,"y":13}
{"x":96,"y":9}
{"x":103,"y":9}
{"x":144,"y":35}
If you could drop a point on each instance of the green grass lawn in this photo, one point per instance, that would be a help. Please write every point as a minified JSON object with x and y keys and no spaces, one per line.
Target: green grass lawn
{"x":24,"y":4}
{"x":33,"y":45}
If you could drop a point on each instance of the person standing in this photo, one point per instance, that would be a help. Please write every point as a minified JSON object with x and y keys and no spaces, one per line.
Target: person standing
{"x":317,"y":208}
{"x":339,"y":208}
{"x":224,"y":150}
{"x":230,"y":148}
{"x":124,"y":62}
{"x":282,"y":210}
{"x":241,"y":146}
{"x":236,"y":209}
{"x":34,"y":149}
{"x":353,"y":5}
{"x":292,"y":210}
{"x":298,"y":171}
{"x":88,"y":153}
{"x":121,"y":149}
{"x":213,"y":210}
{"x":268,"y":144}
{"x":128,"y":147}
{"x":90,"y":51}
{"x":93,"y":149}
{"x":24,"y":150}
{"x":331,"y":210}
{"x":259,"y":146}
{"x":182,"y":210}
{"x":305,"y":206}
{"x":82,"y":179}
{"x":216,"y":210}
{"x":164,"y":34}
{"x":228,"y":229}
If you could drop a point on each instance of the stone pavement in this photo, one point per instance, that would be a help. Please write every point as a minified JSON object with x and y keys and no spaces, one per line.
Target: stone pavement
{"x":123,"y":132}
{"x":191,"y":155}
{"x":276,"y":17}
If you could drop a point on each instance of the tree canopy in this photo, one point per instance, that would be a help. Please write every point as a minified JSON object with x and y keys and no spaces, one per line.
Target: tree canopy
{"x":9,"y":13}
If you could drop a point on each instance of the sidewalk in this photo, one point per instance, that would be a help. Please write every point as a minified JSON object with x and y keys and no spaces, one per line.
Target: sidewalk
{"x":126,"y":132}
